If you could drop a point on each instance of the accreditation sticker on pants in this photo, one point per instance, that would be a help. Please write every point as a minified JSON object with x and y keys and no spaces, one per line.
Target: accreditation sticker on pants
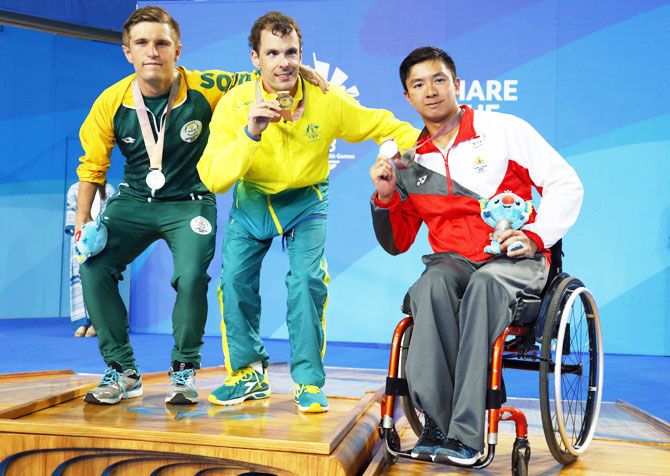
{"x":201,"y":225}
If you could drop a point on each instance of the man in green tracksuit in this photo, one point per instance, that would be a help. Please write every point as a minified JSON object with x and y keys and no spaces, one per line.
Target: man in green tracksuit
{"x":159,"y":118}
{"x":270,"y":139}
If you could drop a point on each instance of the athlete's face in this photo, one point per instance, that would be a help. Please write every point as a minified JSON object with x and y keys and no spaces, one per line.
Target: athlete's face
{"x":153,"y":50}
{"x":432,"y":90}
{"x":279,"y":60}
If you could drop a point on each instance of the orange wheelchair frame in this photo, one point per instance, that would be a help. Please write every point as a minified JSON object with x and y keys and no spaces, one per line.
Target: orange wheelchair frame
{"x":566,"y":324}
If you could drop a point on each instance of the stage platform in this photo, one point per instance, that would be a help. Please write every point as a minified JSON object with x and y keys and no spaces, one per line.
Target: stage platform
{"x":44,"y":412}
{"x":46,"y":428}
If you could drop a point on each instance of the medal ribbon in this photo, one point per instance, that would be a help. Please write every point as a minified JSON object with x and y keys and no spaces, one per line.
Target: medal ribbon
{"x":154,"y":147}
{"x":301,"y":105}
{"x":407,"y":155}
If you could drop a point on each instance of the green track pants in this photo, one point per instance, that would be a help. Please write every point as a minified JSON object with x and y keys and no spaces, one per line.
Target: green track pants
{"x":189,"y":229}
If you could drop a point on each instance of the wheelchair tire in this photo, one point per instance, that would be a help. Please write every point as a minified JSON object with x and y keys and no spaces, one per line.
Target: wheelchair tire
{"x":414,"y":417}
{"x":520,"y":457}
{"x":571,"y":370}
{"x":519,"y":465}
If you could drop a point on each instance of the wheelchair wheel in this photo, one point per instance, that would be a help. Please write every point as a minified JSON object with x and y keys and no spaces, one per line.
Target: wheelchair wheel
{"x":519,"y":465}
{"x":571,"y":370}
{"x":414,"y":417}
{"x":520,"y":457}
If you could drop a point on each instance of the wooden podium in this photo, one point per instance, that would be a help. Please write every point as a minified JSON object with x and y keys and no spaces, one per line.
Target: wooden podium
{"x":46,"y":428}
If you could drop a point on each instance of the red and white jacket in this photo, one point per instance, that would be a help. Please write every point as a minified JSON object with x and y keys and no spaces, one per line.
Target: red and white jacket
{"x":492,"y":153}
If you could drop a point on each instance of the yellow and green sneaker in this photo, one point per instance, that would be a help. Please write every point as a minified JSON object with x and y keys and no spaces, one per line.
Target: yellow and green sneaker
{"x":310,"y":399}
{"x":241,"y":385}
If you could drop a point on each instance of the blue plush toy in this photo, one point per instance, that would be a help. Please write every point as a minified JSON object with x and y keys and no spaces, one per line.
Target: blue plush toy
{"x":91,"y":239}
{"x":503,"y":212}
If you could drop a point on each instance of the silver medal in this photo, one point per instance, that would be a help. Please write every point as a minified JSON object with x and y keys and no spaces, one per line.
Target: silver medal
{"x":155,"y":179}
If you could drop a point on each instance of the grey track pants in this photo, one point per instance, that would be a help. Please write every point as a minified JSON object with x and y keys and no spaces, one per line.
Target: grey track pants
{"x":460,"y":307}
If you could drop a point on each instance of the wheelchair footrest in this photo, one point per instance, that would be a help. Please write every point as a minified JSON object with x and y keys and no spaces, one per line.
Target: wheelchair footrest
{"x":483,"y":462}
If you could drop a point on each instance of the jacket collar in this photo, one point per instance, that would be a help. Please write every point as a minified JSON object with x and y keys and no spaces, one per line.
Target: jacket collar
{"x":466,"y":131}
{"x":129,"y":102}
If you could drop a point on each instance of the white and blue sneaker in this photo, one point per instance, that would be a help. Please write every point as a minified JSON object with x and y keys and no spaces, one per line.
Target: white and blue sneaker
{"x":116,"y":385}
{"x":181,"y":390}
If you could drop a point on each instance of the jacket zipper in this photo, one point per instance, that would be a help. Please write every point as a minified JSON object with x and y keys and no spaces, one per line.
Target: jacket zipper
{"x":450,"y":188}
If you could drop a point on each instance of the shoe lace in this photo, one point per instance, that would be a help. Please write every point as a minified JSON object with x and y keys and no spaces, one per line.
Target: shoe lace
{"x":180,"y":377}
{"x":110,"y":378}
{"x":235,"y":377}
{"x":299,"y":389}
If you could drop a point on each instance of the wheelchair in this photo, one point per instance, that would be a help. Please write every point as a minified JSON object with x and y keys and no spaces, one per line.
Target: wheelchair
{"x":557,"y":334}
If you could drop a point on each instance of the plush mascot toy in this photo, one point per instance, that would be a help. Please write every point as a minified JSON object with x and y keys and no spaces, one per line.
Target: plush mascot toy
{"x":91,"y":239}
{"x":504,"y":211}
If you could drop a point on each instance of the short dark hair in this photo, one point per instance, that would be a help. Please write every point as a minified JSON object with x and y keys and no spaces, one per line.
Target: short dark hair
{"x":151,"y":14}
{"x":425,"y":53}
{"x":278,"y":23}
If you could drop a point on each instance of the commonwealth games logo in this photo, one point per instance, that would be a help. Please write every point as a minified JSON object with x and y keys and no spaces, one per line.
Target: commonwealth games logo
{"x":338,"y":78}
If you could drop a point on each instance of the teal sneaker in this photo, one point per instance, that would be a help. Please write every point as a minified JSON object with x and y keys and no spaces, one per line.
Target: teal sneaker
{"x":241,"y":385}
{"x":115,"y":386}
{"x":310,"y":399}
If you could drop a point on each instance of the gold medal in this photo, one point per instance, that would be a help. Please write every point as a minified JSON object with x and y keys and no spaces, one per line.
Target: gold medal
{"x":285,"y":101}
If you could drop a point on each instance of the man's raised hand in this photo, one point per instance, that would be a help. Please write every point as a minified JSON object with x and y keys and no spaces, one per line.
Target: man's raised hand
{"x":383,"y":177}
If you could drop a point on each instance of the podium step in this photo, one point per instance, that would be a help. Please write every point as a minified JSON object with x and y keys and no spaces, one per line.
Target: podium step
{"x":50,"y":430}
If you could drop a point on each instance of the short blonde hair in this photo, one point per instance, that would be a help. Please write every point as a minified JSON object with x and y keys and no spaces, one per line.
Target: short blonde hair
{"x":151,"y":14}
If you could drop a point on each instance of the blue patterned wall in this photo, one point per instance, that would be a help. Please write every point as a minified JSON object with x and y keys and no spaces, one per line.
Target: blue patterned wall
{"x":48,"y":84}
{"x":590,"y":77}
{"x":103,"y":14}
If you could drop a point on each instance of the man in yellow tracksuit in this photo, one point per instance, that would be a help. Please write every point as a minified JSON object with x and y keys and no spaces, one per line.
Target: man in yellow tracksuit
{"x":180,"y":211}
{"x":269,"y":141}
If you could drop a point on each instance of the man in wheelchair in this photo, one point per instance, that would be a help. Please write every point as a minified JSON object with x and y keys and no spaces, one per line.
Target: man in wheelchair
{"x":465,"y":297}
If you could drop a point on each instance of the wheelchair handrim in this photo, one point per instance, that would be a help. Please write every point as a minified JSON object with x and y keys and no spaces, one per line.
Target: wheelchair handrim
{"x":565,"y":316}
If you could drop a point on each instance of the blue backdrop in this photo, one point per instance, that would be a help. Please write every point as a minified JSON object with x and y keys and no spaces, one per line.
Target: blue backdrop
{"x":103,"y":14}
{"x":48,"y":84}
{"x":591,"y":77}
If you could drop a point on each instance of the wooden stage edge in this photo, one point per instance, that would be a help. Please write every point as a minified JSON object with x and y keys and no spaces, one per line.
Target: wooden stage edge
{"x":44,"y":425}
